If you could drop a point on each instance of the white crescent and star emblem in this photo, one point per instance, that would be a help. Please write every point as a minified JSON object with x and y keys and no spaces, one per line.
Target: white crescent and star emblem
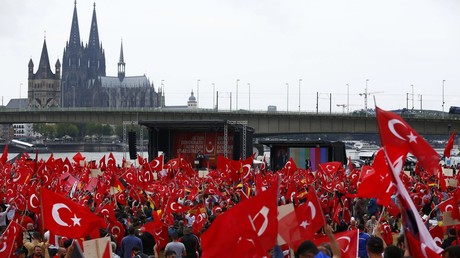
{"x":57,"y":218}
{"x":391,"y":127}
{"x":117,"y":230}
{"x":209,"y":150}
{"x":4,"y":245}
{"x":449,"y":206}
{"x":31,"y":201}
{"x":157,"y":163}
{"x":348,"y":239}
{"x":312,"y":209}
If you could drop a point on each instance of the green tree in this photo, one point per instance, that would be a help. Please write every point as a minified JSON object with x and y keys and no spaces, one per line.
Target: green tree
{"x":66,"y":129}
{"x":47,"y":130}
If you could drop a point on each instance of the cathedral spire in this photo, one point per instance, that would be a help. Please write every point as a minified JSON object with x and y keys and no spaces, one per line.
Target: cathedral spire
{"x":44,"y":70}
{"x":93,"y":34}
{"x":121,"y":64}
{"x":74,"y":39}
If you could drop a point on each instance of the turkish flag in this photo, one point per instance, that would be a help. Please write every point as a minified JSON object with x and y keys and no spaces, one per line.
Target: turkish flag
{"x":290,"y":167}
{"x":375,"y":180}
{"x":8,"y":238}
{"x":304,"y":222}
{"x":77,"y":158}
{"x":102,"y":165}
{"x":156,"y":165}
{"x":412,"y":221}
{"x":111,"y":162}
{"x":330,"y":168}
{"x":65,"y":217}
{"x":447,"y":205}
{"x":437,"y":234}
{"x":176,"y":207}
{"x":4,"y":156}
{"x":33,"y":201}
{"x":347,"y":240}
{"x":249,"y":228}
{"x":449,"y":145}
{"x":395,"y":132}
{"x":419,"y":249}
{"x":107,"y":253}
{"x":117,"y":230}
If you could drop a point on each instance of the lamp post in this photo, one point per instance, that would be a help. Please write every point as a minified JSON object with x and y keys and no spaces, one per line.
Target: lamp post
{"x":300,"y":80}
{"x":412,"y":85}
{"x":213,"y":95}
{"x":443,"y":82}
{"x":249,"y":85}
{"x":236,"y":106}
{"x":287,"y":97}
{"x":162,"y":104}
{"x":198,"y":93}
{"x":348,"y":98}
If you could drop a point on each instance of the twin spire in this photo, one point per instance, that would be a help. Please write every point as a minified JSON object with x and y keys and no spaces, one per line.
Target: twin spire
{"x":74,"y":39}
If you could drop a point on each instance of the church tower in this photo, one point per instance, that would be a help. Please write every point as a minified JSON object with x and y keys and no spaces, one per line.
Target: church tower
{"x":73,"y":71}
{"x":94,"y":51}
{"x":44,"y":86}
{"x":121,"y":65}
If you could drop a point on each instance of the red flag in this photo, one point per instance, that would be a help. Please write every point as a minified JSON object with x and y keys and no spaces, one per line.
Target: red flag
{"x":102,"y":164}
{"x":442,"y":179}
{"x":8,"y":238}
{"x":117,"y":230}
{"x":449,"y":145}
{"x":304,"y":222}
{"x":420,"y":249}
{"x":376,"y":181}
{"x":330,"y":168}
{"x":176,"y":207}
{"x":249,"y":228}
{"x":156,"y":165}
{"x":395,"y":132}
{"x":290,"y":167}
{"x":437,"y":234}
{"x":77,"y":158}
{"x":107,"y":253}
{"x":347,"y":240}
{"x":447,"y":205}
{"x":33,"y":201}
{"x":65,"y":217}
{"x":4,"y":156}
{"x":412,"y":221}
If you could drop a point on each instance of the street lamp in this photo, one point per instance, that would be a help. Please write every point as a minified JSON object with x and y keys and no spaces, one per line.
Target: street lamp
{"x":236,"y":106}
{"x":348,"y":98}
{"x":300,"y":80}
{"x":249,"y":85}
{"x":198,"y":93}
{"x":412,"y":85}
{"x":287,"y":97}
{"x":443,"y":82}
{"x":163,"y":93}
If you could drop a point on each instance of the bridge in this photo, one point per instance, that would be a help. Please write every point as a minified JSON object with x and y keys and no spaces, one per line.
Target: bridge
{"x":263,"y":122}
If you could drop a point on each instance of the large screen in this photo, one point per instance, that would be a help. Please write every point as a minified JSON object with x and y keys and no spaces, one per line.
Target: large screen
{"x":211,"y":144}
{"x":301,"y":156}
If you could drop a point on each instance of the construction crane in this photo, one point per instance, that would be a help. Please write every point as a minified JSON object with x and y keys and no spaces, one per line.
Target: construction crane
{"x":365,"y":94}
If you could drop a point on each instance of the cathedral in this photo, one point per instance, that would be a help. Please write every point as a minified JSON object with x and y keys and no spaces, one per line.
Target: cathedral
{"x":84,"y":82}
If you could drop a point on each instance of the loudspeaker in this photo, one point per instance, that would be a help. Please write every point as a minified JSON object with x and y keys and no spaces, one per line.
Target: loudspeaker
{"x":132,"y":145}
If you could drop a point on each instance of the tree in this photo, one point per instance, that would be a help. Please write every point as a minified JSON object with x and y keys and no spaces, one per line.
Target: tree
{"x":66,"y":129}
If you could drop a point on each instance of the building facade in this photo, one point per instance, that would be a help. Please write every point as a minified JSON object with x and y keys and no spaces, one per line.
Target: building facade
{"x":84,"y":80}
{"x":44,"y":86}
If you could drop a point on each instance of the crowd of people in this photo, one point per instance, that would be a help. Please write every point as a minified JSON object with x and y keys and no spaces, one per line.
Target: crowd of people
{"x":185,"y":204}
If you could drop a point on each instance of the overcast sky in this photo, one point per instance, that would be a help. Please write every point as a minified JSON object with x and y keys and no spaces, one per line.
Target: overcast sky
{"x":268,"y":44}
